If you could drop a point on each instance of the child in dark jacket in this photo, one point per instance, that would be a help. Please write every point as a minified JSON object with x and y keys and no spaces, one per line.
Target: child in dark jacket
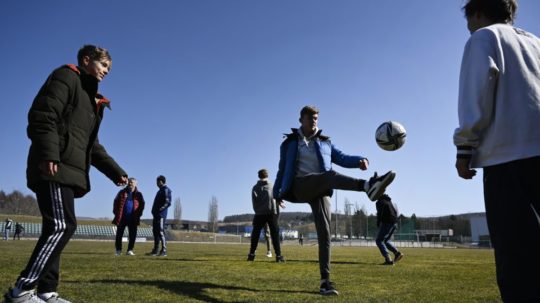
{"x":387,"y":217}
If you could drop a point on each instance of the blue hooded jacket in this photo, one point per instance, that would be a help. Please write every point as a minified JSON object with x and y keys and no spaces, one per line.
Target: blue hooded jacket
{"x":162,"y":201}
{"x":326,"y":152}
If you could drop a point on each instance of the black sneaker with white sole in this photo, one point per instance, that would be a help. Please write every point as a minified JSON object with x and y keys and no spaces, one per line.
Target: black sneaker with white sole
{"x":25,"y":297}
{"x":327,"y":289}
{"x":377,"y":185}
{"x":251,"y":257}
{"x":398,"y":256}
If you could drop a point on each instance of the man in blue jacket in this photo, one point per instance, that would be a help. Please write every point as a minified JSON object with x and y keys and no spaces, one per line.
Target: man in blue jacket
{"x":159,"y":211}
{"x":305,"y":175}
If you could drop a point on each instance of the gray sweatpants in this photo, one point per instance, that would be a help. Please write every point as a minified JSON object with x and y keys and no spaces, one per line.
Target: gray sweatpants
{"x":315,"y":190}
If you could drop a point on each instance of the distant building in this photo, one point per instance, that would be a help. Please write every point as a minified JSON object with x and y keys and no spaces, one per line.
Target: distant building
{"x":239,"y":228}
{"x":479,"y":228}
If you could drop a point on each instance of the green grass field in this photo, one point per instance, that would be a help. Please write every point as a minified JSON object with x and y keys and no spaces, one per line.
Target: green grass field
{"x":219,"y":273}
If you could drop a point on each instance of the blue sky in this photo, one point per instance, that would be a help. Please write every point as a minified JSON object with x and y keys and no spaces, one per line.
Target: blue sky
{"x":202,"y":92}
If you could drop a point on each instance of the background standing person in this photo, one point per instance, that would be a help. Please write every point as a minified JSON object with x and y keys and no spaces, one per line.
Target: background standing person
{"x":63,"y":125}
{"x":387,"y":218}
{"x":18,"y":230}
{"x":301,"y":240}
{"x":499,"y":131}
{"x":162,"y":202}
{"x":305,"y":175}
{"x":7,"y":228}
{"x":266,"y":213}
{"x":128,"y":209}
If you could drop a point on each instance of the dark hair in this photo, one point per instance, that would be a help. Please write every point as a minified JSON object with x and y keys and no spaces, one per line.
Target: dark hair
{"x":162,"y":179}
{"x":263,"y":173}
{"x":498,"y":11}
{"x":385,"y":197}
{"x":308,"y":110}
{"x":94,"y":52}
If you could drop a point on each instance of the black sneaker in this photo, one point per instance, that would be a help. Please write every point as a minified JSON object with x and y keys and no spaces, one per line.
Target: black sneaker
{"x":398,"y":257}
{"x":152,"y":253}
{"x":280,"y":259}
{"x":162,"y":253}
{"x":251,"y":257}
{"x":327,"y":289}
{"x":388,"y":262}
{"x":377,"y":185}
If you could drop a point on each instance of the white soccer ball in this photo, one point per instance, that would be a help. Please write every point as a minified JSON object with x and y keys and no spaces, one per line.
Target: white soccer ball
{"x":390,"y":135}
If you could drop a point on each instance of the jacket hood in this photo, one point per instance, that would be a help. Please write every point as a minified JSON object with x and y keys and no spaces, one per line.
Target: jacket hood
{"x":296,"y":132}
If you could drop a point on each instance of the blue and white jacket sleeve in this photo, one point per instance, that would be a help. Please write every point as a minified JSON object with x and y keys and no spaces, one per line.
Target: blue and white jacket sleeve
{"x":167,"y":198}
{"x":345,"y":160}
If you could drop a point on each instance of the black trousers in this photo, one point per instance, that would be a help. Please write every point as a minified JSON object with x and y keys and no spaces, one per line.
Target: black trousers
{"x":59,"y":223}
{"x":259,"y":221}
{"x":132,"y":230}
{"x":158,"y":229}
{"x":314,"y":189}
{"x":512,"y":198}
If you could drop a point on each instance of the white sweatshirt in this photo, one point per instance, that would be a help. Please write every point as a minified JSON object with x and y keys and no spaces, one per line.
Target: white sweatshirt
{"x":499,"y":96}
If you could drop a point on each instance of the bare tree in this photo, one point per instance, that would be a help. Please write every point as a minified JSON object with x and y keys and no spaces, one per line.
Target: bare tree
{"x":177,"y":210}
{"x":348,"y":216}
{"x":213,"y":214}
{"x":359,"y":223}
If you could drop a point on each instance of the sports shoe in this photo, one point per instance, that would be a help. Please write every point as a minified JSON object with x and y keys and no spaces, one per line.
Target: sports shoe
{"x":26,"y":297}
{"x":269,"y":254}
{"x":388,"y":262}
{"x":162,"y":253}
{"x":398,"y":256}
{"x":377,"y":185}
{"x":130,"y":253}
{"x":152,"y":253}
{"x":118,"y":253}
{"x":280,"y":259}
{"x":56,"y":299}
{"x":327,"y":289}
{"x":251,"y":257}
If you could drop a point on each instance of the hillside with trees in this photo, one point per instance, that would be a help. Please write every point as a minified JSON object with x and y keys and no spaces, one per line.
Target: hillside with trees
{"x":17,"y":203}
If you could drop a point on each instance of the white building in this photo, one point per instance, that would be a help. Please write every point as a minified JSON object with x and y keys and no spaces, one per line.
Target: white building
{"x":479,"y":227}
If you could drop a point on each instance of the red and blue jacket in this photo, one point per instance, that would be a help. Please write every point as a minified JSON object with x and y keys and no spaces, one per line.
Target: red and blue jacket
{"x":120,"y":201}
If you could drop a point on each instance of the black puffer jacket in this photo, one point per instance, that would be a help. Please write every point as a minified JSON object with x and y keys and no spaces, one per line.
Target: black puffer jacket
{"x":386,"y":210}
{"x":63,"y":124}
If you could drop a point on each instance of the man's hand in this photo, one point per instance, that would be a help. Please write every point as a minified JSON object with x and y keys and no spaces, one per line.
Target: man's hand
{"x":463,"y":167}
{"x":123,"y":181}
{"x":281,"y":203}
{"x":364,"y":163}
{"x":49,"y":168}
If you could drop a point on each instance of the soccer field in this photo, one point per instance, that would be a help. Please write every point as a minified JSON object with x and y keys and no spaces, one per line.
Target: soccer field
{"x":220,"y":273}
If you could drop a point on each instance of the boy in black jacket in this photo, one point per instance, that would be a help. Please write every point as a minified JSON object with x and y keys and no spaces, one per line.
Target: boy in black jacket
{"x":387,"y":215}
{"x":63,"y":125}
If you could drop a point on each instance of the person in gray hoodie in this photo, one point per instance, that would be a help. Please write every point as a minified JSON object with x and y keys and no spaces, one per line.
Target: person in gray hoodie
{"x":266,"y":212}
{"x":499,"y":131}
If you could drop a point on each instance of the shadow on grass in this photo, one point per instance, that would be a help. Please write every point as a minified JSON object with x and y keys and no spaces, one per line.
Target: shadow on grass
{"x":333,"y":262}
{"x":93,"y":253}
{"x":195,"y":290}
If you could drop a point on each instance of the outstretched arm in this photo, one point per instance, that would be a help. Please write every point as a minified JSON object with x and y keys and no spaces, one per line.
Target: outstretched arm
{"x":106,"y":164}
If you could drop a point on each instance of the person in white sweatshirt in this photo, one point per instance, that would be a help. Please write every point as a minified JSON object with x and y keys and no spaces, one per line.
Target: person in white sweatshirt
{"x":499,"y":131}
